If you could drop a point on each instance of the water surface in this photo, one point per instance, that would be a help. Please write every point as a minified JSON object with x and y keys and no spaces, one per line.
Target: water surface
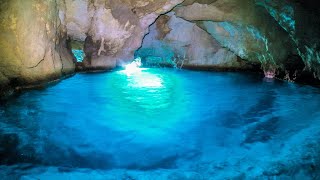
{"x":162,"y":123}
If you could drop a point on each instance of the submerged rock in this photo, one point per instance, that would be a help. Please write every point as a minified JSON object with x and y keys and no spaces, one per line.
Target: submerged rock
{"x":261,"y":131}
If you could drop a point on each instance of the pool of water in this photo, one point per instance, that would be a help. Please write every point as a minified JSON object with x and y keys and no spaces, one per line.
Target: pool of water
{"x":162,"y":124}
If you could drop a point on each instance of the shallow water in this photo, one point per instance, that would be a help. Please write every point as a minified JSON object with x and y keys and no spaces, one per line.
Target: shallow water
{"x":162,"y":123}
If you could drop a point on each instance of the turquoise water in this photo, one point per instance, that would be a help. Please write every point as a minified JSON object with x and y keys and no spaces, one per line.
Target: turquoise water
{"x":162,"y":124}
{"x":78,"y":54}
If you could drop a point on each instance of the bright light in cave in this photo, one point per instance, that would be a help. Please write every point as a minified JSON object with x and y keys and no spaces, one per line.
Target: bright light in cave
{"x":149,"y":92}
{"x":133,"y":67}
{"x":146,"y":80}
{"x":139,"y":79}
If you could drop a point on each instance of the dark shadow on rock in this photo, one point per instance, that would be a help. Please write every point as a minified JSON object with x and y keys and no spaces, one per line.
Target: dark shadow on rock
{"x":262,"y":131}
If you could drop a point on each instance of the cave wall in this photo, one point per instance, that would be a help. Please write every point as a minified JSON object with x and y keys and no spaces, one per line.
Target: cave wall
{"x":173,"y":41}
{"x":300,"y":19}
{"x":33,"y":43}
{"x":281,"y":36}
{"x":242,"y":27}
{"x":278,"y":35}
{"x":111,"y":29}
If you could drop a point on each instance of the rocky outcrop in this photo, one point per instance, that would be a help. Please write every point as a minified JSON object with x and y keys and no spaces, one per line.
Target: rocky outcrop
{"x":112,"y":30}
{"x":33,"y":43}
{"x":176,"y":42}
{"x":222,"y":33}
{"x":242,"y":27}
{"x":300,"y":20}
{"x":272,"y":33}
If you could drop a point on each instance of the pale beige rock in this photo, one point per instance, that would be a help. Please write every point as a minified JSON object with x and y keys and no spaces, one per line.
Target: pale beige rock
{"x":242,"y":27}
{"x":178,"y":42}
{"x":33,"y":45}
{"x":117,"y":27}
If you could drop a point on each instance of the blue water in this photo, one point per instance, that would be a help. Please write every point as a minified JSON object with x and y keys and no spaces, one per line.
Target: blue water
{"x":78,"y":54}
{"x":162,"y":124}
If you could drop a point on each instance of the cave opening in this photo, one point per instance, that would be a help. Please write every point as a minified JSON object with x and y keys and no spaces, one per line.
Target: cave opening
{"x":77,"y":48}
{"x":166,"y":89}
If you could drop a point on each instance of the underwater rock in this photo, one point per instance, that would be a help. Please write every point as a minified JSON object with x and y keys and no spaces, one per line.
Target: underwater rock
{"x":261,"y":131}
{"x":263,"y":107}
{"x":230,"y":119}
{"x":33,"y":43}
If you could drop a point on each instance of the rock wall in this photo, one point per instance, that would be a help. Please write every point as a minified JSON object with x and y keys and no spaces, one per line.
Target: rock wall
{"x":176,"y":42}
{"x":33,"y":43}
{"x":112,"y":29}
{"x":300,"y":19}
{"x":278,"y":35}
{"x":281,"y":35}
{"x":242,"y":27}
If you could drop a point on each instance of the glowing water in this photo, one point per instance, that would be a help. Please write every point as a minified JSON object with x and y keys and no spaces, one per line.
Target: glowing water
{"x":160,"y":124}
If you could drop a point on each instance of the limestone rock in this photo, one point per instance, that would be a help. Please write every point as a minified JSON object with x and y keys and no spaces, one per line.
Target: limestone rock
{"x":113,"y":29}
{"x":242,"y":27}
{"x":175,"y":41}
{"x":33,"y":43}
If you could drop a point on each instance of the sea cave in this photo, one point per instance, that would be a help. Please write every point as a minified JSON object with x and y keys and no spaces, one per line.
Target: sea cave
{"x":157,"y":90}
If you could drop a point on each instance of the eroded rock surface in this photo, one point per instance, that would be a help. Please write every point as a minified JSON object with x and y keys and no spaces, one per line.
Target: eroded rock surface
{"x":33,"y":43}
{"x":112,"y":30}
{"x":242,"y":27}
{"x":300,"y":19}
{"x":177,"y":42}
{"x":224,"y":33}
{"x":268,"y":32}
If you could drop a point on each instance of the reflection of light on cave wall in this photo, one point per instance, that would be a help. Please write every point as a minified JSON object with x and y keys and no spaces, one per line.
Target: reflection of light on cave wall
{"x":78,"y":54}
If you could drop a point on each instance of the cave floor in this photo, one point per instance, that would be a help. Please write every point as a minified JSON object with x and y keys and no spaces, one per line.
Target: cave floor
{"x":162,"y":124}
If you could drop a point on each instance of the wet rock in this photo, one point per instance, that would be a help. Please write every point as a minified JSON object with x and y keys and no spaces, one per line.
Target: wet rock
{"x":270,"y":73}
{"x":300,"y":20}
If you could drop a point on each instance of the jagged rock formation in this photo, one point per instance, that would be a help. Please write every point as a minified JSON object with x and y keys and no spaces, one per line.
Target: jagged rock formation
{"x":33,"y":38}
{"x":289,"y":42}
{"x":279,"y":36}
{"x":173,"y":41}
{"x":300,"y":19}
{"x":242,"y":27}
{"x":112,"y":30}
{"x":33,"y":43}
